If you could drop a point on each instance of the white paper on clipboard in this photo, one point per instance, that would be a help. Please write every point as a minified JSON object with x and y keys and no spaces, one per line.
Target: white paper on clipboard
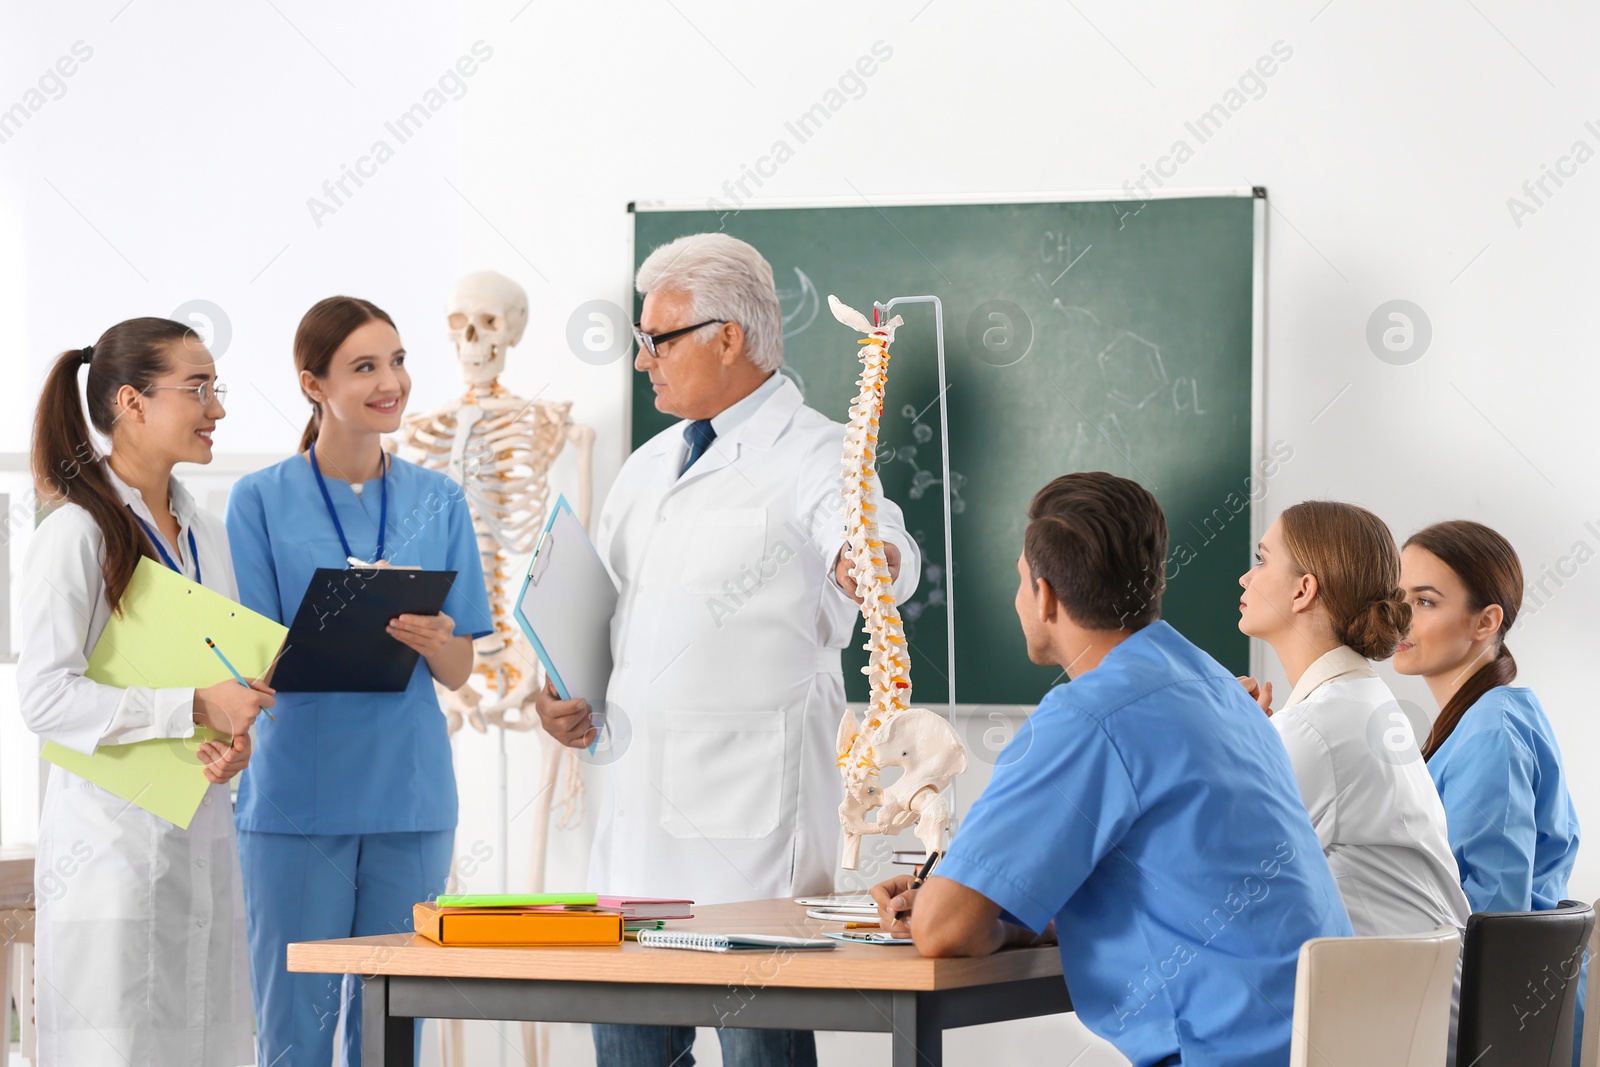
{"x":566,"y":606}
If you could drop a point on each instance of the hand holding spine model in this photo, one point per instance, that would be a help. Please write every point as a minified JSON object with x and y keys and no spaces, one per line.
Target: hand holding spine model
{"x":895,"y":734}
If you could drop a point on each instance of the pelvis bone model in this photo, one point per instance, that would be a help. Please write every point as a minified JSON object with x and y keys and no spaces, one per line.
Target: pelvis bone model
{"x":918,"y":741}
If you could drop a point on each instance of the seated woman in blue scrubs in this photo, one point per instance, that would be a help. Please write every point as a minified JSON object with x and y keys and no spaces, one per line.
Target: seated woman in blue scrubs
{"x":1492,"y":752}
{"x":1146,"y":812}
{"x":349,"y":814}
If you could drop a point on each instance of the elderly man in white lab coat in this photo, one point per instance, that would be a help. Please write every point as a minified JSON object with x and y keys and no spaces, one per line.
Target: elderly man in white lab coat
{"x":724,"y":535}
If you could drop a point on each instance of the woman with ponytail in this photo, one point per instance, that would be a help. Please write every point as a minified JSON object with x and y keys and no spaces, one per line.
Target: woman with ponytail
{"x":1492,"y":752}
{"x":1325,"y":594}
{"x":348,"y":815}
{"x":140,"y":924}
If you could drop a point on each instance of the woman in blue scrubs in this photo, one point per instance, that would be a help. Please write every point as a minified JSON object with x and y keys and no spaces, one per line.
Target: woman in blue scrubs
{"x":1492,"y":752}
{"x":349,"y":815}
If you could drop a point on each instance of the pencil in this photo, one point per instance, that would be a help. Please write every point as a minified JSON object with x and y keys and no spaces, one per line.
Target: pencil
{"x":212,"y":645}
{"x":921,"y":876}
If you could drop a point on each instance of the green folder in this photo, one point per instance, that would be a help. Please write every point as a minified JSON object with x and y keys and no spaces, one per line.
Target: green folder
{"x":159,"y":642}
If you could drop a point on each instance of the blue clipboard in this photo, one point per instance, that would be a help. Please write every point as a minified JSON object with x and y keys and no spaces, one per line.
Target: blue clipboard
{"x":565,"y":609}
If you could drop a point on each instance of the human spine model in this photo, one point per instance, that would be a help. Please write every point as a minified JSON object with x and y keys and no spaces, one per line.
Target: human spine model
{"x":894,"y":734}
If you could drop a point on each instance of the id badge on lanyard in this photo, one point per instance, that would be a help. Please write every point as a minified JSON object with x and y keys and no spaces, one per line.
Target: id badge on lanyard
{"x":161,"y":547}
{"x":383,"y":513}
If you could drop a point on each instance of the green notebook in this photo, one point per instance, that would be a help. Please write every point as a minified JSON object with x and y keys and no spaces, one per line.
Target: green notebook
{"x":159,"y":642}
{"x":518,"y":900}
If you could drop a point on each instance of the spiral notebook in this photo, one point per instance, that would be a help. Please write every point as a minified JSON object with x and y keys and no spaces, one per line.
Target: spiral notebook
{"x":728,"y":942}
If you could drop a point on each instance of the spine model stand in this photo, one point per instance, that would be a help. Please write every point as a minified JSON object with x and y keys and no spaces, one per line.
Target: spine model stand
{"x":894,"y":734}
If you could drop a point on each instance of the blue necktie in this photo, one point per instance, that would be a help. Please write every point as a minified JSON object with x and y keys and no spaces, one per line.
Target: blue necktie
{"x":699,"y":434}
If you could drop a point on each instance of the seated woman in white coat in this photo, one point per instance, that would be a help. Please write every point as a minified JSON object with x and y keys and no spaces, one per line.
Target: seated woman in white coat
{"x":1325,"y":594}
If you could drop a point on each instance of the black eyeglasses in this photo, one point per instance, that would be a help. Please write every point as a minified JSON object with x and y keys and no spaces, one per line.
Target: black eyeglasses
{"x":651,"y":342}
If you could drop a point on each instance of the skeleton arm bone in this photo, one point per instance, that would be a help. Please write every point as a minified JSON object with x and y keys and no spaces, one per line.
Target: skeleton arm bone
{"x":582,"y":438}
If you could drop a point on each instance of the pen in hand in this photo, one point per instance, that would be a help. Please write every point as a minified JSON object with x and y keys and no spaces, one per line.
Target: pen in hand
{"x":212,"y":645}
{"x":916,"y":882}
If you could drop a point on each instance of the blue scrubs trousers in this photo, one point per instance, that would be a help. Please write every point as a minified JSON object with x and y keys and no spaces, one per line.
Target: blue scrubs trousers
{"x":314,"y":887}
{"x":673,"y":1046}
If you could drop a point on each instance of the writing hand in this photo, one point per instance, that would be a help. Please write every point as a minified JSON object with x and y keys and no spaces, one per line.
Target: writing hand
{"x":230,"y":708}
{"x":895,"y":898}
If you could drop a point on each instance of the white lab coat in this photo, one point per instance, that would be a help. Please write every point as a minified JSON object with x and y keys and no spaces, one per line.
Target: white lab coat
{"x":1370,"y":799}
{"x":726,"y":691}
{"x":140,"y":926}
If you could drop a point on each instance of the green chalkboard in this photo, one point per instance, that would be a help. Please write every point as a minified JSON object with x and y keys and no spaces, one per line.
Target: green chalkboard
{"x":1078,"y":336}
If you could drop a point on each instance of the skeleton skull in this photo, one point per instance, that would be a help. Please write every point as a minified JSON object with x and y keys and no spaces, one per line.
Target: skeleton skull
{"x":487,"y":314}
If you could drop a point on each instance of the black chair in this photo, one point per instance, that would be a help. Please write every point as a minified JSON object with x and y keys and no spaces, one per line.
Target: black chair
{"x":1519,"y":986}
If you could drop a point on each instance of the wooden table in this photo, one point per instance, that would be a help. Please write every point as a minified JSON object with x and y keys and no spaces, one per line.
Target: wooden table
{"x":882,"y":989}
{"x":16,"y":877}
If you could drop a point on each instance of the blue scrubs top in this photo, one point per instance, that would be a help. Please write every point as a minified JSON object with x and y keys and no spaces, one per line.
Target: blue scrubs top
{"x":351,"y":763}
{"x":1149,"y":808}
{"x":1511,"y":822}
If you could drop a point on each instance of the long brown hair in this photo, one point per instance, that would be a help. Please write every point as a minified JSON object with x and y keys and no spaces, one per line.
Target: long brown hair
{"x":322,"y":330}
{"x":1357,"y":566}
{"x":1489,"y":568}
{"x":66,"y":466}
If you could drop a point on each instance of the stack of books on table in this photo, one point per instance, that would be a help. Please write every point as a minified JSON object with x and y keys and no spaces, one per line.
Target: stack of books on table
{"x":541,"y":918}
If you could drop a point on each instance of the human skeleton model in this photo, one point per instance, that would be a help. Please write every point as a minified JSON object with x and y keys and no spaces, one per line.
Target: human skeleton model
{"x":499,"y":448}
{"x":917,"y":740}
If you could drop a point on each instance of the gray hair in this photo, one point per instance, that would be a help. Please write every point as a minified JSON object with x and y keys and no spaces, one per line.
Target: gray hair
{"x":725,"y":279}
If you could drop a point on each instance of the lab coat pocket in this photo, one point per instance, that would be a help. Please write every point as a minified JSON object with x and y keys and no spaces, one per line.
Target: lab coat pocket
{"x":722,"y":543}
{"x":722,"y":774}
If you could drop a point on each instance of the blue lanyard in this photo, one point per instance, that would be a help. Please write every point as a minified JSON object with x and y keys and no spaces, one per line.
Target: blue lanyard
{"x":383,"y":508}
{"x":161,"y":547}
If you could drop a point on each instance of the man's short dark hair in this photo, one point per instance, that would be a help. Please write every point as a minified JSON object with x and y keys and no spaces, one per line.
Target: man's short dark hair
{"x":1101,"y":543}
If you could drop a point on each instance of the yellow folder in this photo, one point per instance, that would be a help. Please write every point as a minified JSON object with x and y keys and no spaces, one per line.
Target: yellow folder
{"x":159,"y":642}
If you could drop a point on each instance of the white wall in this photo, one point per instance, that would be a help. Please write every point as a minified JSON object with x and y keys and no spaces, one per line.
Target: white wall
{"x":178,"y":164}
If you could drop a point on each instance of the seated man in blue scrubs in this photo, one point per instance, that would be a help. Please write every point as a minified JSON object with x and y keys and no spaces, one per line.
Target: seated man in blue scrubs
{"x":1146,"y":811}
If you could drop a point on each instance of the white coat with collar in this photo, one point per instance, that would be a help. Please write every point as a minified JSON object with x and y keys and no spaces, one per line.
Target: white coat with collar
{"x":140,"y":925}
{"x":726,"y":691}
{"x":1370,"y":799}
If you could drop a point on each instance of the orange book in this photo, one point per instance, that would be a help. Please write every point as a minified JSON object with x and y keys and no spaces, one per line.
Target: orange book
{"x":516,"y":926}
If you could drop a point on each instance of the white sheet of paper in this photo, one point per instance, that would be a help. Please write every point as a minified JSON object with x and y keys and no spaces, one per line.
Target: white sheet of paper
{"x":566,"y":608}
{"x":856,"y":900}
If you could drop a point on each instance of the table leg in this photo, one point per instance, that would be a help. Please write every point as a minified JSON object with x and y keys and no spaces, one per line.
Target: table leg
{"x":386,"y":1040}
{"x":24,"y":985}
{"x":8,"y":955}
{"x":918,"y":1038}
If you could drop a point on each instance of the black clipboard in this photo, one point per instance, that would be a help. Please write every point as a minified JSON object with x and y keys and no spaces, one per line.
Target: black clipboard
{"x":339,"y":642}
